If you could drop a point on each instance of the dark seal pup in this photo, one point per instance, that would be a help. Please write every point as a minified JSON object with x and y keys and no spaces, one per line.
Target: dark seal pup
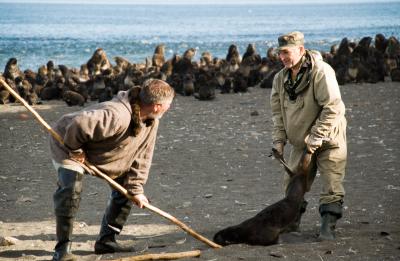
{"x":265,"y":227}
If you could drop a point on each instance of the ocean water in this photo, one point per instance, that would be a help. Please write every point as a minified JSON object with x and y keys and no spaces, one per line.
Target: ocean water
{"x":70,"y":33}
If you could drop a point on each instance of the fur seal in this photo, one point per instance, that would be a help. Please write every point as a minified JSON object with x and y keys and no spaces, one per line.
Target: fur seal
{"x":381,"y":43}
{"x":72,"y":98}
{"x":121,"y":63}
{"x":206,"y":59}
{"x":250,"y":65}
{"x":26,"y":91}
{"x":265,"y":227}
{"x":362,"y":49}
{"x":98,"y":62}
{"x":4,"y":94}
{"x":30,"y":76}
{"x":227,"y":85}
{"x":98,"y":85}
{"x":106,"y":95}
{"x":50,"y":92}
{"x":185,"y":65}
{"x":188,"y":84}
{"x":158,"y":58}
{"x":239,"y":82}
{"x":42,"y":75}
{"x":205,"y":86}
{"x":168,"y":67}
{"x":11,"y":70}
{"x":51,"y":71}
{"x":23,"y":87}
{"x":233,"y":54}
{"x":268,"y":78}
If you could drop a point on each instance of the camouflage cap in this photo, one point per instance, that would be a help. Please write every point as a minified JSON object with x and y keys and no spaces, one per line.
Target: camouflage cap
{"x":290,"y":40}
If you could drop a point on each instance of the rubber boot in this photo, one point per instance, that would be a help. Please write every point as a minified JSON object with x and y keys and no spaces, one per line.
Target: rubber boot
{"x":66,"y":203}
{"x":295,"y":225}
{"x":328,"y":224}
{"x":113,"y":221}
{"x":63,"y":247}
{"x":330,"y":213}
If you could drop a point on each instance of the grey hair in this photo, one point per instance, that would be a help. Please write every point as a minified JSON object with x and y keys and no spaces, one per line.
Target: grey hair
{"x":156,"y":91}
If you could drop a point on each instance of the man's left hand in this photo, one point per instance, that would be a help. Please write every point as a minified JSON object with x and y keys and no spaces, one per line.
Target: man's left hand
{"x":140,"y":200}
{"x":77,"y":156}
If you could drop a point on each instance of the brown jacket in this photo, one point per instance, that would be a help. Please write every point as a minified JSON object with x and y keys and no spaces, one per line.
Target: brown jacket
{"x":104,"y":132}
{"x":318,"y":108}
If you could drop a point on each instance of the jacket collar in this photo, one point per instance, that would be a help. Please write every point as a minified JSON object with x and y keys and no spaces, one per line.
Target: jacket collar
{"x":307,"y":65}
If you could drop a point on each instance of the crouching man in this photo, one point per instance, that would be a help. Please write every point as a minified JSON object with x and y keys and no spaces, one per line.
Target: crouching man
{"x":118,"y":137}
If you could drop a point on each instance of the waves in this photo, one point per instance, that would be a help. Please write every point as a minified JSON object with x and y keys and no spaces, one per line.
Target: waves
{"x":69,"y":34}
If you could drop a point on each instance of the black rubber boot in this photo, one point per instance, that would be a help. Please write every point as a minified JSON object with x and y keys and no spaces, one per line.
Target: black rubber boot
{"x":330,"y":213}
{"x":108,"y":244}
{"x":114,"y":218}
{"x":295,"y":225}
{"x":66,"y":203}
{"x":63,"y":247}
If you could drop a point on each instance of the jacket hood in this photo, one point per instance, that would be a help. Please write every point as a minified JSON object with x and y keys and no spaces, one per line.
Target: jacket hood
{"x":123,"y":96}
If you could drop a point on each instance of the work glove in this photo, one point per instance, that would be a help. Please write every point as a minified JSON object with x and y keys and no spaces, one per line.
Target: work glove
{"x":278,"y":146}
{"x":313,"y":143}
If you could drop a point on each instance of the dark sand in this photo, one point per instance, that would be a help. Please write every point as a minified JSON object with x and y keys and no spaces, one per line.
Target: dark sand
{"x":211,"y":170}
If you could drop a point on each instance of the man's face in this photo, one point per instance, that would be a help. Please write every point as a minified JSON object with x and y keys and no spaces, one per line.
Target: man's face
{"x":159,"y":110}
{"x":291,"y":56}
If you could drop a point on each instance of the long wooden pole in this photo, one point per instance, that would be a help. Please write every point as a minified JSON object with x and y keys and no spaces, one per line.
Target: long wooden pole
{"x":114,"y":184}
{"x":163,"y":256}
{"x":174,"y":220}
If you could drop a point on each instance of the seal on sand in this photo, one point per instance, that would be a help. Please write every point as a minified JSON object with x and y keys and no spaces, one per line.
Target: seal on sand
{"x":265,"y":227}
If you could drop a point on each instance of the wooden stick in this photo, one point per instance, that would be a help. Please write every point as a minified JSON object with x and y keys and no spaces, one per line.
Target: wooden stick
{"x":162,"y":213}
{"x":164,"y":256}
{"x":114,"y":184}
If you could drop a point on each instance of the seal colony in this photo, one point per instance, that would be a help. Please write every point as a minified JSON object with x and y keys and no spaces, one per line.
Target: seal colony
{"x":369,"y":60}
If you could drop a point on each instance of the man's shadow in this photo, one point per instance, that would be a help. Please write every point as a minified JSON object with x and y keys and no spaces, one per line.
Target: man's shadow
{"x":44,"y":253}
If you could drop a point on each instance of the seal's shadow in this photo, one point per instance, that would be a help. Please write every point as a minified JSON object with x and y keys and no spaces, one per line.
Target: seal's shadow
{"x":297,"y":238}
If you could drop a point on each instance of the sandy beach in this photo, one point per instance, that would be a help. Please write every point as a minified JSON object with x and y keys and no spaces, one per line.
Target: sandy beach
{"x":211,"y":170}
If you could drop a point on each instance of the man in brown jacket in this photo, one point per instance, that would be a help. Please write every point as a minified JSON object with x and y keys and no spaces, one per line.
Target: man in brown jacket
{"x":118,"y":137}
{"x":308,"y":112}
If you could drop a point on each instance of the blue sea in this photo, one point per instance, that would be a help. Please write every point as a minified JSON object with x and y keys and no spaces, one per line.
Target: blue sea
{"x":69,"y":33}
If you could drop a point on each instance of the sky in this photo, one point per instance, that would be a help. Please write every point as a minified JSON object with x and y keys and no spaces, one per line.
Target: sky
{"x":192,"y":1}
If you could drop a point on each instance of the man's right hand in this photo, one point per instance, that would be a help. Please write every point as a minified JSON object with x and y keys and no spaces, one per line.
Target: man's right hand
{"x":140,"y":200}
{"x":279,"y":145}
